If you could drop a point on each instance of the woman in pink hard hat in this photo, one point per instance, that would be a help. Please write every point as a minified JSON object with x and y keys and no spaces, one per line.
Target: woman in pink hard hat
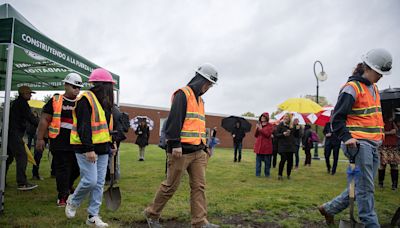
{"x":90,"y":135}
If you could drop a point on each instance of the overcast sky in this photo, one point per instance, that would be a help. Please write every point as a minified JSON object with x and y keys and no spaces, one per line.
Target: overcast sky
{"x":264,"y":50}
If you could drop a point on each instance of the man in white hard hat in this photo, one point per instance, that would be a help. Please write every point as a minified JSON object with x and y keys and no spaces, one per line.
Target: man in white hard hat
{"x":20,"y":113}
{"x":56,"y":119}
{"x":357,"y":122}
{"x":187,"y":151}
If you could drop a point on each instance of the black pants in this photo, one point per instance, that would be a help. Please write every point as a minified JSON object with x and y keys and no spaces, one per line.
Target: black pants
{"x":238,"y":151}
{"x":66,"y":170}
{"x":328,"y":149}
{"x":287,"y":156}
{"x":31,"y":140}
{"x":274,"y":157}
{"x":308,"y":156}
{"x":38,"y":157}
{"x":16,"y":149}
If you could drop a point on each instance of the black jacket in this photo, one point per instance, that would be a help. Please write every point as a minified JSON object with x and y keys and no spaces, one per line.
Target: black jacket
{"x":306,"y":139}
{"x":342,"y":109}
{"x":20,"y":114}
{"x":239,"y":135}
{"x":286,"y":144}
{"x":143,"y":134}
{"x":177,"y":116}
{"x":333,"y":139}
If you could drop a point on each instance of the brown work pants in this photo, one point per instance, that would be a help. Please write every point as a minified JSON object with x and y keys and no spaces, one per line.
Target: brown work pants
{"x":195,"y":164}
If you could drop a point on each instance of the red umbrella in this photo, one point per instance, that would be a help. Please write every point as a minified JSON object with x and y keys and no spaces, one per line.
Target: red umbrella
{"x":322,"y":117}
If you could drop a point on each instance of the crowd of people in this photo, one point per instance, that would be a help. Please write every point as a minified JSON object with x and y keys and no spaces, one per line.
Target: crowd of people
{"x":84,"y":132}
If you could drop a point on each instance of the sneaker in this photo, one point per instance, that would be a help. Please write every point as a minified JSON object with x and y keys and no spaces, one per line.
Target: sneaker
{"x":70,"y":210}
{"x":62,"y":202}
{"x":280,"y":178}
{"x":209,"y":225}
{"x":96,"y":222}
{"x":37,"y":178}
{"x":152,"y":222}
{"x":27,"y":186}
{"x":328,"y":218}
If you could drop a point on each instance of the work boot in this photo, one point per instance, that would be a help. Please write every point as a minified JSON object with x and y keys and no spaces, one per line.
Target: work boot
{"x":152,"y":222}
{"x":329,"y":219}
{"x":381,"y":177}
{"x":394,"y":173}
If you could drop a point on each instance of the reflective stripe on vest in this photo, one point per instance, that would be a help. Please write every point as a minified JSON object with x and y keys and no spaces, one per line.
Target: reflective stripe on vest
{"x":100,"y":128}
{"x":365,"y":119}
{"x":54,"y":127}
{"x":194,"y":126}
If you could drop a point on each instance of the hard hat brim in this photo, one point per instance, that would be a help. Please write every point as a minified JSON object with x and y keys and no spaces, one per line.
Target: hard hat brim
{"x":364,"y":58}
{"x":65,"y":81}
{"x":206,"y":76}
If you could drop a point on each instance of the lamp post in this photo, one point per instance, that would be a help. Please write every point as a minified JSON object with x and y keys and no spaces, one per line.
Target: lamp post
{"x":321,"y":76}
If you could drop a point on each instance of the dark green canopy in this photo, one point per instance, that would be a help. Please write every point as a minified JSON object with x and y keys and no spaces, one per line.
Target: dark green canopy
{"x":38,"y":61}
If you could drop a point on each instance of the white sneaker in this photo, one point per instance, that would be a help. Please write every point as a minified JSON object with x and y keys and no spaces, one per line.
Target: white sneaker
{"x":70,"y":210}
{"x":96,"y":222}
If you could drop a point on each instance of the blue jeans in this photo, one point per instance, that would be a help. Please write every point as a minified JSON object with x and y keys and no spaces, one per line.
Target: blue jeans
{"x":92,"y":182}
{"x":266,"y":158}
{"x":368,"y":161}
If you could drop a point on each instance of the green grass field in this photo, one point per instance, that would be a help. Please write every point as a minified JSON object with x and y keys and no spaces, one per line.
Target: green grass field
{"x":235,"y":196}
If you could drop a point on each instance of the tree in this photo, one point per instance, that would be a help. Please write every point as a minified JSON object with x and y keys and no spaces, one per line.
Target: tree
{"x":47,"y":98}
{"x":249,"y":114}
{"x":321,"y":99}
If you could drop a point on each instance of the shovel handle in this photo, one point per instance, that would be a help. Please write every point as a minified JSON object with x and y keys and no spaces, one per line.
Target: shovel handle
{"x":112,"y":165}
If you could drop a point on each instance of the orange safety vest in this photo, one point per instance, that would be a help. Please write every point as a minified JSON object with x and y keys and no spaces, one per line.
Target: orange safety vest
{"x":194,"y":126}
{"x":100,"y":129}
{"x":54,"y":127}
{"x":365,"y":119}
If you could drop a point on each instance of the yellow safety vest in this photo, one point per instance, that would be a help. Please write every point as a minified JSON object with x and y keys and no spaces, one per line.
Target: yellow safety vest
{"x":100,"y":128}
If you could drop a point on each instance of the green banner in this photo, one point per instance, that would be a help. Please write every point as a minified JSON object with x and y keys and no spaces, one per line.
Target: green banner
{"x":44,"y":47}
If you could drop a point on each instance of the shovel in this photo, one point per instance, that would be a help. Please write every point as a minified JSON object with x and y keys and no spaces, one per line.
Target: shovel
{"x":352,"y":223}
{"x":113,"y":194}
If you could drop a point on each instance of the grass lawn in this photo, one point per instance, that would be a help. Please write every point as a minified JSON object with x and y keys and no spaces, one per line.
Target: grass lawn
{"x":235,"y":196}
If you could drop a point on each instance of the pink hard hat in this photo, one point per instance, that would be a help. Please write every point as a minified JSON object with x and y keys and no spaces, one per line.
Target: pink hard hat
{"x":101,"y":75}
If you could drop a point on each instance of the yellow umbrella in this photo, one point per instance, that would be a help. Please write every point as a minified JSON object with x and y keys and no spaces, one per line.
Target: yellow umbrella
{"x":300,"y":105}
{"x":29,"y":155}
{"x":36,"y":103}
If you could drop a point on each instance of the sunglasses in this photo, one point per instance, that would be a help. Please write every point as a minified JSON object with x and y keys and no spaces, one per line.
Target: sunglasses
{"x":74,"y":86}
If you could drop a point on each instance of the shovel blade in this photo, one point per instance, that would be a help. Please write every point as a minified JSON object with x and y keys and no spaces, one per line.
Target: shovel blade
{"x":113,"y":198}
{"x":350,"y":224}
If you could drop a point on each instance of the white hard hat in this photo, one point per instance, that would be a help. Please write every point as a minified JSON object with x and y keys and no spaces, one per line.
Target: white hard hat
{"x":73,"y":79}
{"x":209,"y":72}
{"x":379,"y":60}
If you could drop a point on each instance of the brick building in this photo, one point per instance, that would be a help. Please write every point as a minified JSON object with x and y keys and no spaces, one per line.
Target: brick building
{"x":158,"y":115}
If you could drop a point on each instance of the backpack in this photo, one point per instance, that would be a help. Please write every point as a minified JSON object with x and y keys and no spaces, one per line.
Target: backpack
{"x":314,"y":137}
{"x":124,"y":120}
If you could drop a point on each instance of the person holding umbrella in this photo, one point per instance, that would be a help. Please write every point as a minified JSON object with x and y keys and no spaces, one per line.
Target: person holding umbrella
{"x":142,"y":140}
{"x":238,"y":134}
{"x":357,"y":121}
{"x":186,"y":146}
{"x":90,"y":134}
{"x":389,"y":153}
